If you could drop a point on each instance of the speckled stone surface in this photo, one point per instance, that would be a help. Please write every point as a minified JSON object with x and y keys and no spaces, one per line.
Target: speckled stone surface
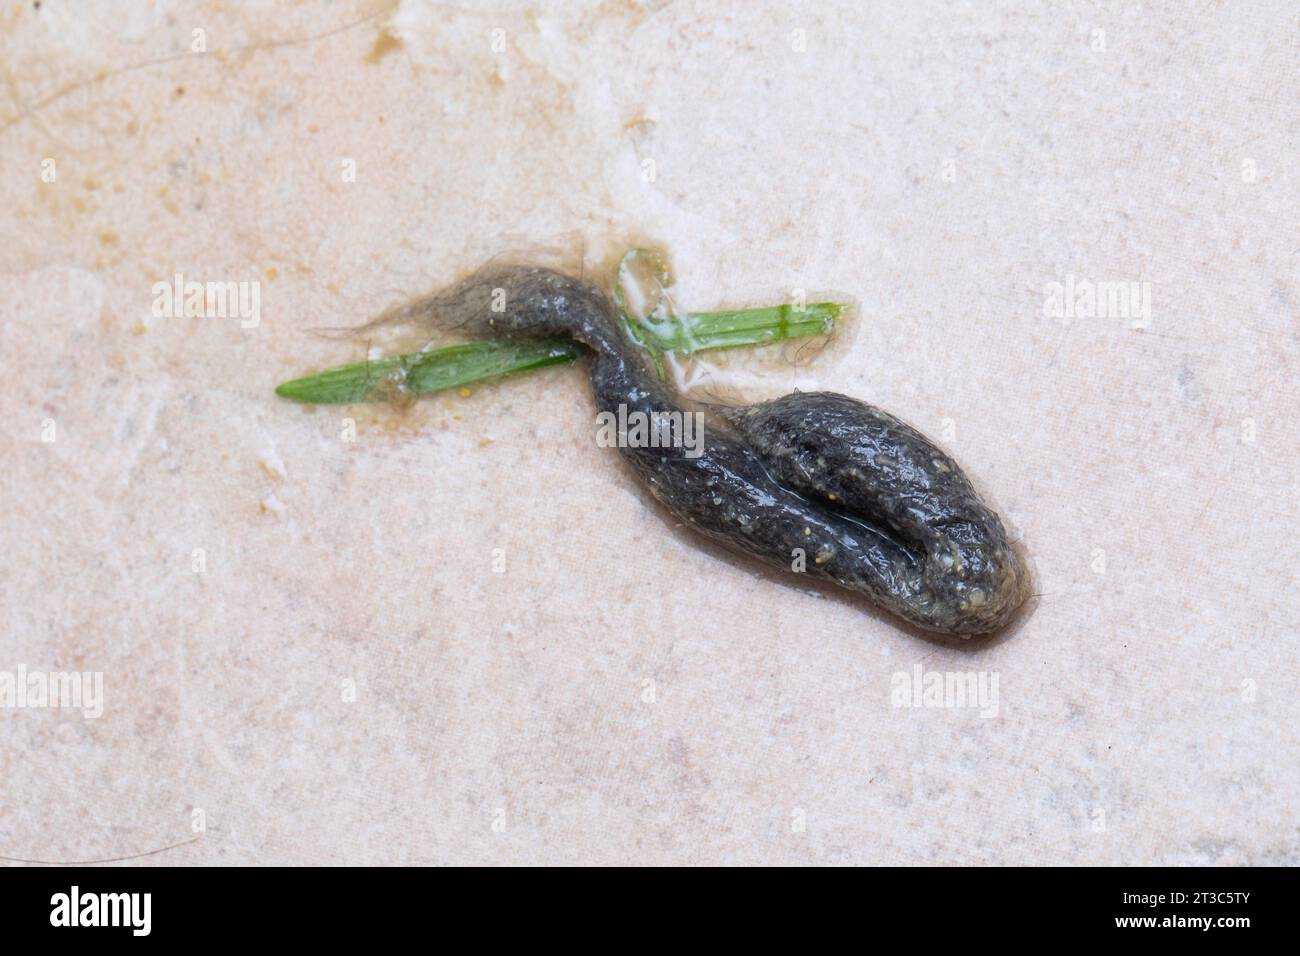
{"x":466,"y":635}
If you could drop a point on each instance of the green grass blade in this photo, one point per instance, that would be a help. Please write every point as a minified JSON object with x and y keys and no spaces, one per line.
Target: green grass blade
{"x":701,"y":331}
{"x":423,"y":372}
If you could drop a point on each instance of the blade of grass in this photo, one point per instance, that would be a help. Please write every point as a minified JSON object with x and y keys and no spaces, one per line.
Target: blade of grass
{"x":420,"y":373}
{"x":701,"y":331}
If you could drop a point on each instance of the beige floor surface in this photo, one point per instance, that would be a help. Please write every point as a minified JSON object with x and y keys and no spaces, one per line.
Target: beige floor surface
{"x":464,"y":636}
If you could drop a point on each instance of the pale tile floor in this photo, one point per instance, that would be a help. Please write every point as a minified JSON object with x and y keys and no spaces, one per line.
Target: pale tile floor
{"x":616,"y":693}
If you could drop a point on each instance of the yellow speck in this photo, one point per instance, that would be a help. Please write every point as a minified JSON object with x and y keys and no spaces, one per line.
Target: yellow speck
{"x":108,"y":237}
{"x":807,"y":532}
{"x":484,"y":442}
{"x":272,"y":272}
{"x":385,"y":44}
{"x":464,"y":392}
